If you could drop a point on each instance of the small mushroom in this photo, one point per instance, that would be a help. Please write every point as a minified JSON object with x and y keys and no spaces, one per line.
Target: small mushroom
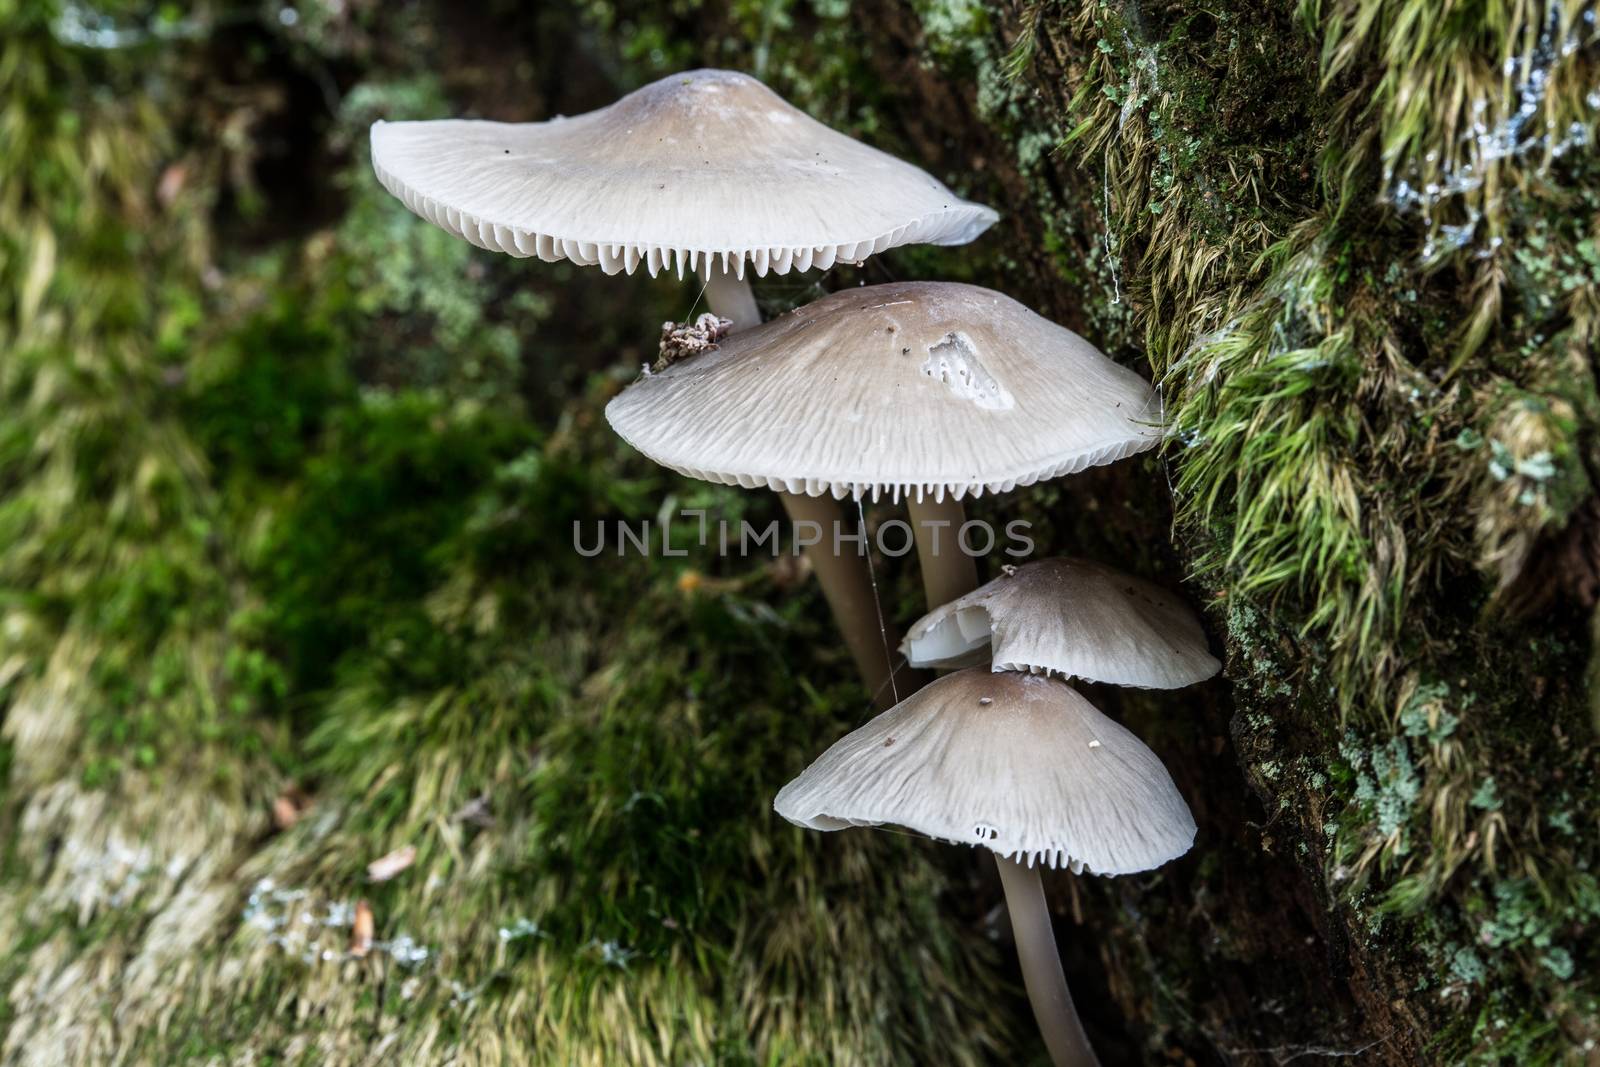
{"x":1022,"y":765}
{"x":705,"y":171}
{"x":1070,"y":617}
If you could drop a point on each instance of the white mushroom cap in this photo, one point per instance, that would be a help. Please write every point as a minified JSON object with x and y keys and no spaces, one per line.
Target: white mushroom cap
{"x":916,"y":388}
{"x":1021,"y":764}
{"x":1069,"y":617}
{"x":700,"y":165}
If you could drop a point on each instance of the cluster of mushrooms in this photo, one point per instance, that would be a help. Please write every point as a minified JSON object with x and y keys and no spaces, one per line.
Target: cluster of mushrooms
{"x":922,"y":392}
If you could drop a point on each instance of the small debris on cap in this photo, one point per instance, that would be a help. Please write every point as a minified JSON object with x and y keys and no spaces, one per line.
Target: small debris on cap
{"x":679,"y":340}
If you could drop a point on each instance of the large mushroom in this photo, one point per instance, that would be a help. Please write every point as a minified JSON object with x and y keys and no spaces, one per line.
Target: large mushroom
{"x":706,"y":171}
{"x":1020,"y":764}
{"x":1070,"y":617}
{"x":924,"y":391}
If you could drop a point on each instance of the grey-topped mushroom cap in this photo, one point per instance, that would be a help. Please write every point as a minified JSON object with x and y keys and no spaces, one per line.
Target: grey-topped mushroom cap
{"x":1070,"y":617}
{"x":1021,"y":764}
{"x":914,"y":388}
{"x":701,"y":166}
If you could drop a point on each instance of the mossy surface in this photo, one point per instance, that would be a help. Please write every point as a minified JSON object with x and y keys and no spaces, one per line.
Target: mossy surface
{"x":287,"y":481}
{"x":1351,"y":241}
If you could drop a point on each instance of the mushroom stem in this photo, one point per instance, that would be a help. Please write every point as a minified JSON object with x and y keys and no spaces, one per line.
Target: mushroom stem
{"x":846,"y":577}
{"x":947,"y":571}
{"x":730,"y":297}
{"x":1041,"y":966}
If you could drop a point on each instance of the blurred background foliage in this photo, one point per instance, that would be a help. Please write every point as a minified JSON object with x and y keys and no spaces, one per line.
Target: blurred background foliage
{"x":288,"y":480}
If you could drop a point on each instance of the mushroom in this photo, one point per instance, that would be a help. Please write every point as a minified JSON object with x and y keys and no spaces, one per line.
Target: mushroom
{"x":1069,"y":617}
{"x":700,"y":171}
{"x":927,"y":391}
{"x":1022,"y":765}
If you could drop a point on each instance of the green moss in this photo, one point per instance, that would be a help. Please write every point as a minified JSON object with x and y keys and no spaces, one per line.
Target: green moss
{"x":280,"y":515}
{"x":1325,"y":329}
